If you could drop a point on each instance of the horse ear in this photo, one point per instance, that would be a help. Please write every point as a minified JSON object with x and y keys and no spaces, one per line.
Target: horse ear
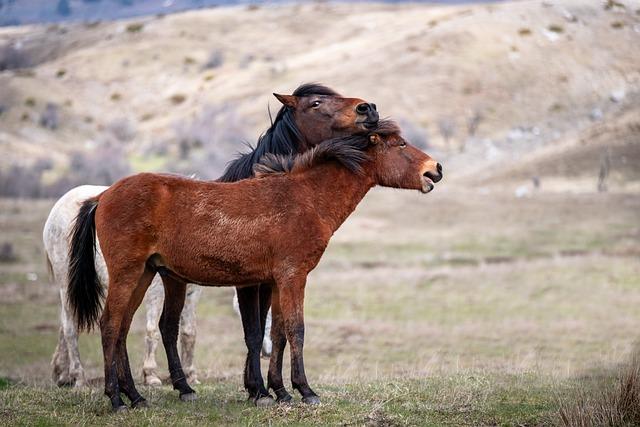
{"x":373,"y":139}
{"x":287,"y":100}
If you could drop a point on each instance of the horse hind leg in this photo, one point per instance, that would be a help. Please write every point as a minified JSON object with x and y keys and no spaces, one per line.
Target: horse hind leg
{"x":76,"y":371}
{"x":188,"y":332}
{"x":265,"y":319}
{"x":123,"y":298}
{"x":153,"y":301}
{"x":125,"y":379}
{"x":174,"y":296}
{"x":60,"y":362}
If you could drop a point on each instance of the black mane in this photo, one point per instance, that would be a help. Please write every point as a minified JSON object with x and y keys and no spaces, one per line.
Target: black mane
{"x":282,"y":138}
{"x":349,"y":151}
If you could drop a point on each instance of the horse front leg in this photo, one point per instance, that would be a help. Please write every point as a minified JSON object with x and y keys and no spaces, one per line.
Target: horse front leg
{"x":174,"y":295}
{"x":291,"y":298}
{"x":249,"y":304}
{"x":279,"y":342}
{"x":188,"y":332}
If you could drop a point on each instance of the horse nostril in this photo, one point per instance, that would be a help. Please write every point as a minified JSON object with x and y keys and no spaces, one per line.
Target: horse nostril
{"x":362,"y":108}
{"x":375,"y":108}
{"x":435,"y":176}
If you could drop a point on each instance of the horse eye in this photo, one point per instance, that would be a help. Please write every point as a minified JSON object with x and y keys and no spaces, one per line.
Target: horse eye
{"x":316,"y":104}
{"x":403,"y":145}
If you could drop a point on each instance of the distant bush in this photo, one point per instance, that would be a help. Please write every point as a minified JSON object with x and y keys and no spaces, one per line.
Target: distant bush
{"x":12,"y":58}
{"x":207,"y":142}
{"x":50,"y":117}
{"x":178,"y":98}
{"x":556,"y":28}
{"x":101,"y":166}
{"x":7,"y":253}
{"x":135,"y":27}
{"x":415,"y":134}
{"x":447,"y":128}
{"x":524,"y":32}
{"x":23,"y":181}
{"x":122,"y":129}
{"x":216,"y":59}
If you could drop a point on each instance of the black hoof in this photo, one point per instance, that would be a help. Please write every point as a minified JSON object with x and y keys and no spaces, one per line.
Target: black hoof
{"x":265,"y":402}
{"x":189,"y":397}
{"x":283,"y":397}
{"x":120,"y":409}
{"x":311,"y":400}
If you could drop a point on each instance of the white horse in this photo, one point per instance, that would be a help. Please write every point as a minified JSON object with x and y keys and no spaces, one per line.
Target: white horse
{"x":67,"y":367}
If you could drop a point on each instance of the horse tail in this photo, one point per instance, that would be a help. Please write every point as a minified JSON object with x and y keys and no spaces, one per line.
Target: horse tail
{"x":84,"y":291}
{"x":49,"y":265}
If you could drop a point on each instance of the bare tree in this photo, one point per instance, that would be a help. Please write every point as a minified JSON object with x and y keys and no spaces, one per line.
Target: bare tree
{"x":605,"y":166}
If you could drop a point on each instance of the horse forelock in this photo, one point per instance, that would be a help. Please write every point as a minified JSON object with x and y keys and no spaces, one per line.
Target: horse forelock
{"x":309,"y":89}
{"x":282,"y":138}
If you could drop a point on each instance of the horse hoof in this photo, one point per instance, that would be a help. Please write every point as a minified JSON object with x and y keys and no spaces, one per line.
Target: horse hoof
{"x":265,"y":402}
{"x":284,"y":398}
{"x":152,"y":381}
{"x":311,"y":400}
{"x":121,"y":409}
{"x":188,"y":397}
{"x":65,"y":382}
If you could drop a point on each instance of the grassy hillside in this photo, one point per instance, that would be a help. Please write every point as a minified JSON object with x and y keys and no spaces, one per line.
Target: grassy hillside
{"x":524,"y":74}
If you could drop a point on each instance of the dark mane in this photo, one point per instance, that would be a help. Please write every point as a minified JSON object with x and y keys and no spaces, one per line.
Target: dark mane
{"x":350,"y":152}
{"x":282,"y":138}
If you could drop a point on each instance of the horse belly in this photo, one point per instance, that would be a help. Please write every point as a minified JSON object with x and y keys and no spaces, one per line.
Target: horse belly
{"x":223,"y":267}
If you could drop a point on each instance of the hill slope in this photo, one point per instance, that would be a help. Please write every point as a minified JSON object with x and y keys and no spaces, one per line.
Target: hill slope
{"x":530,"y":72}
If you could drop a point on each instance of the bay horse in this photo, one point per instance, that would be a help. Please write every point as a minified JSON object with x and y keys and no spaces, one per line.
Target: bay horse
{"x":312,"y":113}
{"x":272,"y":229}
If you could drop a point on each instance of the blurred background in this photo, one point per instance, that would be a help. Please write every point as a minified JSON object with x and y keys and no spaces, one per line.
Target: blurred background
{"x":517,"y":280}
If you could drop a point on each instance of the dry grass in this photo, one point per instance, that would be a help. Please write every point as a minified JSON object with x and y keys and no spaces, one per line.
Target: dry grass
{"x":612,"y":399}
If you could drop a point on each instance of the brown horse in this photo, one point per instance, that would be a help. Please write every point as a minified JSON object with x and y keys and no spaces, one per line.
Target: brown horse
{"x":272,"y":229}
{"x":313,"y":113}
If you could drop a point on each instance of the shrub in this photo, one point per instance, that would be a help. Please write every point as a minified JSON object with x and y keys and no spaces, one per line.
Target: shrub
{"x":207,"y":142}
{"x":13,"y":58}
{"x":415,"y":134}
{"x":7,"y":253}
{"x":122,"y":129}
{"x":50,"y":116}
{"x":135,"y":27}
{"x":216,"y":59}
{"x":555,"y":28}
{"x":612,"y":400}
{"x":178,"y":98}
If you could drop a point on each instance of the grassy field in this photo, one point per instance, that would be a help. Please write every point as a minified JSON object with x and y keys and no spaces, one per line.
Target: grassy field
{"x":456,"y":308}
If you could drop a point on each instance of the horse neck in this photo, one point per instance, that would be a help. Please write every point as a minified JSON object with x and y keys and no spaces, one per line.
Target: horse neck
{"x":337,"y":191}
